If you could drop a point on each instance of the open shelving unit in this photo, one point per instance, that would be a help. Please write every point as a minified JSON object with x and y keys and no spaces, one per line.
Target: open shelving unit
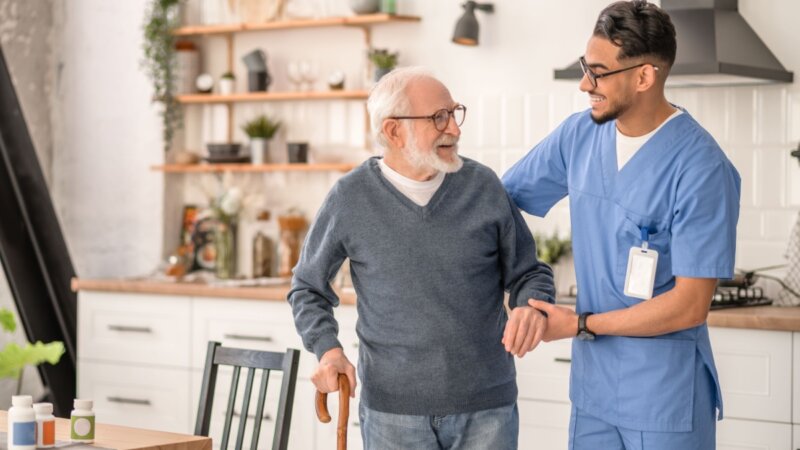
{"x":228,"y":32}
{"x":286,"y":96}
{"x":244,"y":167}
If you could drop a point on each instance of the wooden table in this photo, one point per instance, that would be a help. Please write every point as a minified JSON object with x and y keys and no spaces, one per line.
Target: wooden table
{"x":126,"y":438}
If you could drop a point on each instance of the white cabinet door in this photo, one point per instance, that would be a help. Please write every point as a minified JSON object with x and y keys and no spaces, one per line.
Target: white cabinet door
{"x":734,"y":434}
{"x":134,"y":328}
{"x":796,"y":437}
{"x":153,"y":398}
{"x":543,"y":374}
{"x":754,"y":368}
{"x":543,"y":425}
{"x":796,"y":384}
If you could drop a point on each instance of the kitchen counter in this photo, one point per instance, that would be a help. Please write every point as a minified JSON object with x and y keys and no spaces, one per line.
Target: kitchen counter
{"x":757,"y":317}
{"x":196,"y":289}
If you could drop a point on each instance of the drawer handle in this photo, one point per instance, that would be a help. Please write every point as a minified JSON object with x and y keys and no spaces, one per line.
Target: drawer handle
{"x":130,"y":329}
{"x":247,"y":337}
{"x":266,"y":418}
{"x":563,"y":360}
{"x":129,"y":401}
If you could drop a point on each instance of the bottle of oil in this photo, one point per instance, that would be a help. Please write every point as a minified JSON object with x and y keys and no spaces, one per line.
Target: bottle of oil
{"x":263,"y":249}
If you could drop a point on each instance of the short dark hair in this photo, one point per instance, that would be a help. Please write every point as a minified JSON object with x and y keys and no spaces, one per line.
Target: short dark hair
{"x":638,"y":28}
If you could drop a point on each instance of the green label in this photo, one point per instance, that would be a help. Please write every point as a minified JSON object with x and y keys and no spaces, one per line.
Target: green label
{"x":82,"y":427}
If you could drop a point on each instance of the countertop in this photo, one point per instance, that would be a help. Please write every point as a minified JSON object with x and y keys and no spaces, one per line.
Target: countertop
{"x":757,"y":317}
{"x":196,"y":289}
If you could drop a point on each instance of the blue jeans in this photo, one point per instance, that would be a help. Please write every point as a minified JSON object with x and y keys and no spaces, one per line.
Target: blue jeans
{"x":495,"y":429}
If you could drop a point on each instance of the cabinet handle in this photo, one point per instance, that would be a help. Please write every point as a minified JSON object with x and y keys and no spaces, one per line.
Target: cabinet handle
{"x":246,"y":337}
{"x":129,"y":401}
{"x":563,"y":360}
{"x":130,"y":329}
{"x":266,"y":418}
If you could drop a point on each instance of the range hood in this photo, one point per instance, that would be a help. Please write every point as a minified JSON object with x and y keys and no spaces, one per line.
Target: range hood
{"x":716,"y":47}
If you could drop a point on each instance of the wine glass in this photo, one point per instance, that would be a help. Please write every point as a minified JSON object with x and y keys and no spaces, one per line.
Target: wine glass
{"x":295,"y":75}
{"x":310,"y":73}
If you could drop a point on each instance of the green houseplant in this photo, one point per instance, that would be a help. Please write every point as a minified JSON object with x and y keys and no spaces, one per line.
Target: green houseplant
{"x":14,"y":358}
{"x":550,"y":249}
{"x":260,"y":129}
{"x":384,"y":61}
{"x":161,"y":19}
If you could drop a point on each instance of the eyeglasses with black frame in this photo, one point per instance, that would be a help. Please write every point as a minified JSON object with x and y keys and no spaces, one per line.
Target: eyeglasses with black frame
{"x":594,"y":76}
{"x":441,"y":118}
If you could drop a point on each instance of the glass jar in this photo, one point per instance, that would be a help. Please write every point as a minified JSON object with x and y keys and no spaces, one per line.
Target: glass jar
{"x":225,"y":246}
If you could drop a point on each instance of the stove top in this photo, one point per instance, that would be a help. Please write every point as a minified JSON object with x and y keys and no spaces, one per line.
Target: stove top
{"x":734,"y":297}
{"x":724,"y":297}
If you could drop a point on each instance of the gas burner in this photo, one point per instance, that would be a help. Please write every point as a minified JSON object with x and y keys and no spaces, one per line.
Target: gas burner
{"x":732,"y":297}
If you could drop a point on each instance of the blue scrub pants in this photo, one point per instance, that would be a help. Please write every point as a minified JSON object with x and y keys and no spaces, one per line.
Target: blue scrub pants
{"x":587,"y":432}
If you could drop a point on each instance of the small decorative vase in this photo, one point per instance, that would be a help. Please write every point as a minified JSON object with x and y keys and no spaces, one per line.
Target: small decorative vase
{"x":258,"y":150}
{"x":226,"y":86}
{"x":225,"y":245}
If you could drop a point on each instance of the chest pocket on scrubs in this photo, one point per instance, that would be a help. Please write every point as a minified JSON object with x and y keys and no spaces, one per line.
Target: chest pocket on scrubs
{"x":630,"y":235}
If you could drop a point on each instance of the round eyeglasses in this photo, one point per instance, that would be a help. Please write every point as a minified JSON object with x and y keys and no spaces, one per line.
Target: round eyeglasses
{"x":594,"y":76}
{"x":441,"y":118}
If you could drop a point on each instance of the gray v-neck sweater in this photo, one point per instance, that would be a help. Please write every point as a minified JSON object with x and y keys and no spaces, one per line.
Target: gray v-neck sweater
{"x":429,"y":282}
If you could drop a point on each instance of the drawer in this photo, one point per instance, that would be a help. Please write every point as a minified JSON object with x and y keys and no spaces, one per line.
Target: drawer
{"x":543,"y":374}
{"x":734,"y":434}
{"x":755,"y":369}
{"x":543,"y":423}
{"x":302,"y":426}
{"x":134,"y":328}
{"x":152,"y":398}
{"x":256,"y":325}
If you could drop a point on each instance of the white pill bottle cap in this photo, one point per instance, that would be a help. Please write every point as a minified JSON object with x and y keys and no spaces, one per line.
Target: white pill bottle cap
{"x":21,"y":400}
{"x":83,"y":404}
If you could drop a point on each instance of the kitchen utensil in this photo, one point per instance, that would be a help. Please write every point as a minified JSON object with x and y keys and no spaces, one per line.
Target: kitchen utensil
{"x":344,"y":411}
{"x":223,"y":150}
{"x":256,"y":61}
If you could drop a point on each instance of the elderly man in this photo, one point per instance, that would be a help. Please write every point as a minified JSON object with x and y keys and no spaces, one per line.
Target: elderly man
{"x":433,"y":241}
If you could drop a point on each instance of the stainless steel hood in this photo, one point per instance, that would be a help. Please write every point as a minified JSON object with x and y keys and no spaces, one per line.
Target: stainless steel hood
{"x":716,"y":47}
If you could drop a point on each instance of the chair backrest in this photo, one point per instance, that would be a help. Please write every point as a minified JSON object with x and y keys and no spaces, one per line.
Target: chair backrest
{"x":252,"y":360}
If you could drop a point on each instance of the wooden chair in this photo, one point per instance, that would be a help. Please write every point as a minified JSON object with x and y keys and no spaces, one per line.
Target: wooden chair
{"x":253,"y":360}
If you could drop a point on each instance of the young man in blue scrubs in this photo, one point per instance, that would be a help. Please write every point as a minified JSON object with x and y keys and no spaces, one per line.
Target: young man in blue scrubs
{"x":654,"y":204}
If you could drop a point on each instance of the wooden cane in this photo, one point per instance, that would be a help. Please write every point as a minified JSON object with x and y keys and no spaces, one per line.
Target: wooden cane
{"x":344,"y":410}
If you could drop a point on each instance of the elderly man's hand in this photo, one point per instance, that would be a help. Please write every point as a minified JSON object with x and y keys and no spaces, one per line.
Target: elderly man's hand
{"x":562,"y":322}
{"x":326,"y":376}
{"x":524,"y":330}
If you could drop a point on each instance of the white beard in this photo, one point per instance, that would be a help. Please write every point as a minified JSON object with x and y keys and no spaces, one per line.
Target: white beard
{"x":429,"y":159}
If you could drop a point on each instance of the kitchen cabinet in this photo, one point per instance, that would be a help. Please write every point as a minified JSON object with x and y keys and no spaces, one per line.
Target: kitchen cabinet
{"x":735,"y":434}
{"x":141,"y":359}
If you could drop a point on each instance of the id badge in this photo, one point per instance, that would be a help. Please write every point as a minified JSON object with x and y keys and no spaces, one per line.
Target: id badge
{"x":641,"y":274}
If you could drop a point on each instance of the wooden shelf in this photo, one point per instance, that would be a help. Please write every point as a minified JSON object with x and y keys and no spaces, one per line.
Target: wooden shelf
{"x":357,"y":21}
{"x":245,"y":167}
{"x":271,"y":97}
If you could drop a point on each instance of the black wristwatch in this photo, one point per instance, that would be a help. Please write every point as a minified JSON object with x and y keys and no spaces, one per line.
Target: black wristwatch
{"x":583,"y":333}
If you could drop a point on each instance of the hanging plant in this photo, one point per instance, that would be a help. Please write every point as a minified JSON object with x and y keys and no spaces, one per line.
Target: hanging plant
{"x":159,"y":61}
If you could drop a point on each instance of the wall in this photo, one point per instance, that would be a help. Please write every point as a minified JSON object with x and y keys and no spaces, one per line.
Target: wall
{"x":26,"y":37}
{"x":506,"y":83}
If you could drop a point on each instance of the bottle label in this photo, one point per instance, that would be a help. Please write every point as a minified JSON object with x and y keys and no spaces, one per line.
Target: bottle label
{"x":47,"y":434}
{"x":24,"y":433}
{"x":82,"y":428}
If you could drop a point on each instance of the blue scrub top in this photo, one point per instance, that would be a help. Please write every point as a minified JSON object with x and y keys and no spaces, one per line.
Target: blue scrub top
{"x":685,"y":191}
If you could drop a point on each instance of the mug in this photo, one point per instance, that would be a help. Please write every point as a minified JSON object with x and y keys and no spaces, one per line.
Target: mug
{"x":256,"y":61}
{"x":298,"y":152}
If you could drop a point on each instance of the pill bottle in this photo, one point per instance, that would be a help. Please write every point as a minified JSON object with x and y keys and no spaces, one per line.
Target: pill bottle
{"x":81,"y":427}
{"x":21,"y":423}
{"x":45,"y":425}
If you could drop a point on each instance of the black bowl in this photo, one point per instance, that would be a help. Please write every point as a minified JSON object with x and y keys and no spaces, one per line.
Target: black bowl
{"x":226,"y":150}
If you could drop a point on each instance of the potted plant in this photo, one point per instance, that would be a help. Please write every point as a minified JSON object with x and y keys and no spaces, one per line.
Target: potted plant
{"x":226,"y":83}
{"x":14,"y":358}
{"x":384,"y":61}
{"x":260,"y":129}
{"x":159,"y":62}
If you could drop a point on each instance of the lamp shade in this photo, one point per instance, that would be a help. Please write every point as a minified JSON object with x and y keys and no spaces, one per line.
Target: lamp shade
{"x":467,"y":28}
